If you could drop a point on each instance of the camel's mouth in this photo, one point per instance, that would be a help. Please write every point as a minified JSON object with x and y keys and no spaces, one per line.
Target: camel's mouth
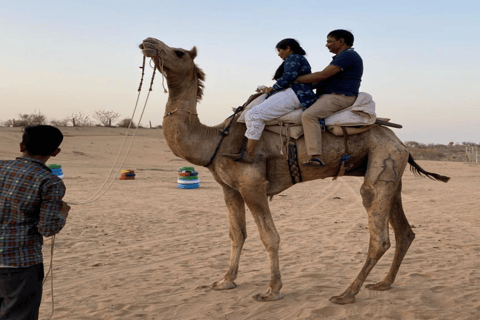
{"x":149,"y":50}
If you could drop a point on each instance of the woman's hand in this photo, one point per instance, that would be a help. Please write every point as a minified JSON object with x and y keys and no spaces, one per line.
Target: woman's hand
{"x":268,"y":90}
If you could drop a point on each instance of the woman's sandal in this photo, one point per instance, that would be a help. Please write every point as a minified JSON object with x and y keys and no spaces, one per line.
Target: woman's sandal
{"x":314,"y":162}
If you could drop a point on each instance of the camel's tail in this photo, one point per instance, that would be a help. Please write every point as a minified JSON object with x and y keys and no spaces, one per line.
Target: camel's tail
{"x":418,"y":171}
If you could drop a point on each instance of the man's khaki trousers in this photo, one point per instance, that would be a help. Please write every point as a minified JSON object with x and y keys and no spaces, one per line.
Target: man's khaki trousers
{"x":325,"y":106}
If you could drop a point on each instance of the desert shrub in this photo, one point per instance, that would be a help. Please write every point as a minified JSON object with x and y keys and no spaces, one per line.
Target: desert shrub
{"x":60,"y":122}
{"x":125,"y":123}
{"x":15,"y":123}
{"x":80,"y":120}
{"x":36,"y":118}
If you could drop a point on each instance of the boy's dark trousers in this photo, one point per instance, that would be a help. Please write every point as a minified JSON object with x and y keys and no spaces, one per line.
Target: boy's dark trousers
{"x":21,"y":292}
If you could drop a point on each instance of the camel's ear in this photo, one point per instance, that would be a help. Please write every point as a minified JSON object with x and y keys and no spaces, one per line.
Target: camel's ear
{"x":192,"y":53}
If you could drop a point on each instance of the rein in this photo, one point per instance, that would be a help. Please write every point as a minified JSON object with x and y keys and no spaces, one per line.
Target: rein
{"x":224,"y":134}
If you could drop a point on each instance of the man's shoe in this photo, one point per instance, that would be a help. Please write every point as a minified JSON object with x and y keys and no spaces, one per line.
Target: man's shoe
{"x":314,"y":162}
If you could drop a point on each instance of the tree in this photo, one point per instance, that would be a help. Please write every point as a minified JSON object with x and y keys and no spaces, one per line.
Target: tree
{"x":106,"y":117}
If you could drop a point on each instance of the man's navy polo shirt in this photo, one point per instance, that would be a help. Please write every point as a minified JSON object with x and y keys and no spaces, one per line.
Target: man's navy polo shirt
{"x":348,"y":80}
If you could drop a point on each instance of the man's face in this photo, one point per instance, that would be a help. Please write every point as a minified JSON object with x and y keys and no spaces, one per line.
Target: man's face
{"x":334,"y":45}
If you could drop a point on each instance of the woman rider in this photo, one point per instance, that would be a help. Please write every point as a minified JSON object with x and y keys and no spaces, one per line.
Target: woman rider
{"x":282,"y":98}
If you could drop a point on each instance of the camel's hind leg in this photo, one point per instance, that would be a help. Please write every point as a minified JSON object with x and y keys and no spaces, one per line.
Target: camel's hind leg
{"x":403,"y":239}
{"x":381,"y":182}
{"x":238,"y":234}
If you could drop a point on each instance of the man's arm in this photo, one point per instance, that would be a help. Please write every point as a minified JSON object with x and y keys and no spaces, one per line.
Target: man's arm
{"x":53,"y":211}
{"x":326,"y":73}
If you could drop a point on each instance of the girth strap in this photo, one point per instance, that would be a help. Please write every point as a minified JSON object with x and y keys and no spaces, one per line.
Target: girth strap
{"x":345,"y":156}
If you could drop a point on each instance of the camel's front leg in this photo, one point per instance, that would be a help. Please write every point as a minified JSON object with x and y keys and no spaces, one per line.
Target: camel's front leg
{"x":256,"y":199}
{"x":238,"y":234}
{"x":381,"y":182}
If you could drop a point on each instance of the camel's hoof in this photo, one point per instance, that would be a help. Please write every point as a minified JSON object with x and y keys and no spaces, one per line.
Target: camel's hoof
{"x":268,"y":297}
{"x":379,"y":286}
{"x":223,"y":285}
{"x":343,"y":299}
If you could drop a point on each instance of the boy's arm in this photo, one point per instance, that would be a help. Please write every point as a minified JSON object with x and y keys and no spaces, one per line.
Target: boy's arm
{"x":53,"y":211}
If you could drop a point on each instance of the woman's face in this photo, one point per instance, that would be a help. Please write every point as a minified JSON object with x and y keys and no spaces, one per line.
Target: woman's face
{"x":284,"y":53}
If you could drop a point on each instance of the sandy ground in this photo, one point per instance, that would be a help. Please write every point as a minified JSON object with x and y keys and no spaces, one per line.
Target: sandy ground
{"x":148,"y":250}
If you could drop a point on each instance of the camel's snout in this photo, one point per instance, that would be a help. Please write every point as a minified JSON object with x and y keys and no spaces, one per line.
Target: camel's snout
{"x":152,"y":47}
{"x":148,"y":49}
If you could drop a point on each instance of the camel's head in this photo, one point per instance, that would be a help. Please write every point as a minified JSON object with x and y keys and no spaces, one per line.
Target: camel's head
{"x":175,"y":60}
{"x":177,"y":63}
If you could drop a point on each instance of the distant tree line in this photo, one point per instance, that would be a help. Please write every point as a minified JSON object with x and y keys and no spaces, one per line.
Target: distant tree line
{"x":100,"y":118}
{"x":440,"y":152}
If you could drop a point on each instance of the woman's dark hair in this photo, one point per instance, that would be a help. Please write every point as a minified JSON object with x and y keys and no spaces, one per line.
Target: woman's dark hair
{"x":41,"y":140}
{"x":338,"y":34}
{"x":296,"y":49}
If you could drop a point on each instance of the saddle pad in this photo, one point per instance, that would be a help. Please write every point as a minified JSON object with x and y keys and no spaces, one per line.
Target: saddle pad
{"x":362,"y":112}
{"x":297,"y":131}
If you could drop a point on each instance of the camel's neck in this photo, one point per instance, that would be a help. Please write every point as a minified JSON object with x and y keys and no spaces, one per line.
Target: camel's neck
{"x":185,"y":135}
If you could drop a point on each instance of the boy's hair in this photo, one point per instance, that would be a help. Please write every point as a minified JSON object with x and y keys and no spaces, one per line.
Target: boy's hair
{"x":41,"y":140}
{"x":347,"y":36}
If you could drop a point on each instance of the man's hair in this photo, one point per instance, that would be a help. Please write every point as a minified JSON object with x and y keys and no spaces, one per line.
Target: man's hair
{"x":41,"y":140}
{"x":347,"y":36}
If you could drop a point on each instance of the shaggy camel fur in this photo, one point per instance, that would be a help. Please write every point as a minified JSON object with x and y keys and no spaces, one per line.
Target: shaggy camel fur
{"x":377,"y":154}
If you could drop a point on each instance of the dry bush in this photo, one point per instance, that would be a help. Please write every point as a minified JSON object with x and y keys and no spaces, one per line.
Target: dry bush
{"x":33,"y":119}
{"x":80,"y":120}
{"x":125,"y":123}
{"x":60,"y":122}
{"x":15,"y":123}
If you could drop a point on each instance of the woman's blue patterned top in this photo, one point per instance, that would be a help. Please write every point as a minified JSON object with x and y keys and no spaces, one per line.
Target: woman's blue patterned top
{"x":296,"y":65}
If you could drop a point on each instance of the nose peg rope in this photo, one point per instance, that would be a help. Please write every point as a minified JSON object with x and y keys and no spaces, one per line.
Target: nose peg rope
{"x":99,"y":192}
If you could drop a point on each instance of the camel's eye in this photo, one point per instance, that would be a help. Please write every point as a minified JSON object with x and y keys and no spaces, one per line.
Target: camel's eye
{"x":179,"y":53}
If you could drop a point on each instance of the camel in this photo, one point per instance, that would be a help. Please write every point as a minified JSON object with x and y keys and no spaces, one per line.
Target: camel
{"x":378,"y":155}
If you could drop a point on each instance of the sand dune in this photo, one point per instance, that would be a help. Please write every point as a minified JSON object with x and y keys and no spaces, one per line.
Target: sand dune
{"x":148,"y":250}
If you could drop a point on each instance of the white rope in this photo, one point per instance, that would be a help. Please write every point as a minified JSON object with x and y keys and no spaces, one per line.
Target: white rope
{"x":95,"y":197}
{"x":50,"y":269}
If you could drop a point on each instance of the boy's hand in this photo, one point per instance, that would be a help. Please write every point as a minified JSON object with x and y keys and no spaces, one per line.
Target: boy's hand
{"x":65,"y":209}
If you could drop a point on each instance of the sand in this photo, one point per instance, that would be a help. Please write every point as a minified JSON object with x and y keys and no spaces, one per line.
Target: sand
{"x":148,"y":250}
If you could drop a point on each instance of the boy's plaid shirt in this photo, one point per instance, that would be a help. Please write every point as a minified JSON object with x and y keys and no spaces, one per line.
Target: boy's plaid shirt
{"x":30,"y":203}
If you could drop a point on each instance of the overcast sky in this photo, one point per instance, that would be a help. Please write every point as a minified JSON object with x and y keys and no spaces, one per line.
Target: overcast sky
{"x":420,"y":57}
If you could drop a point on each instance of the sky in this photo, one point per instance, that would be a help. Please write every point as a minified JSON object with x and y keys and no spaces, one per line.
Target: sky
{"x":420,"y":57}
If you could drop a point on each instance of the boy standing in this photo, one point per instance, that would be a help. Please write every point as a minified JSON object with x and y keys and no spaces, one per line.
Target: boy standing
{"x":31,"y":208}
